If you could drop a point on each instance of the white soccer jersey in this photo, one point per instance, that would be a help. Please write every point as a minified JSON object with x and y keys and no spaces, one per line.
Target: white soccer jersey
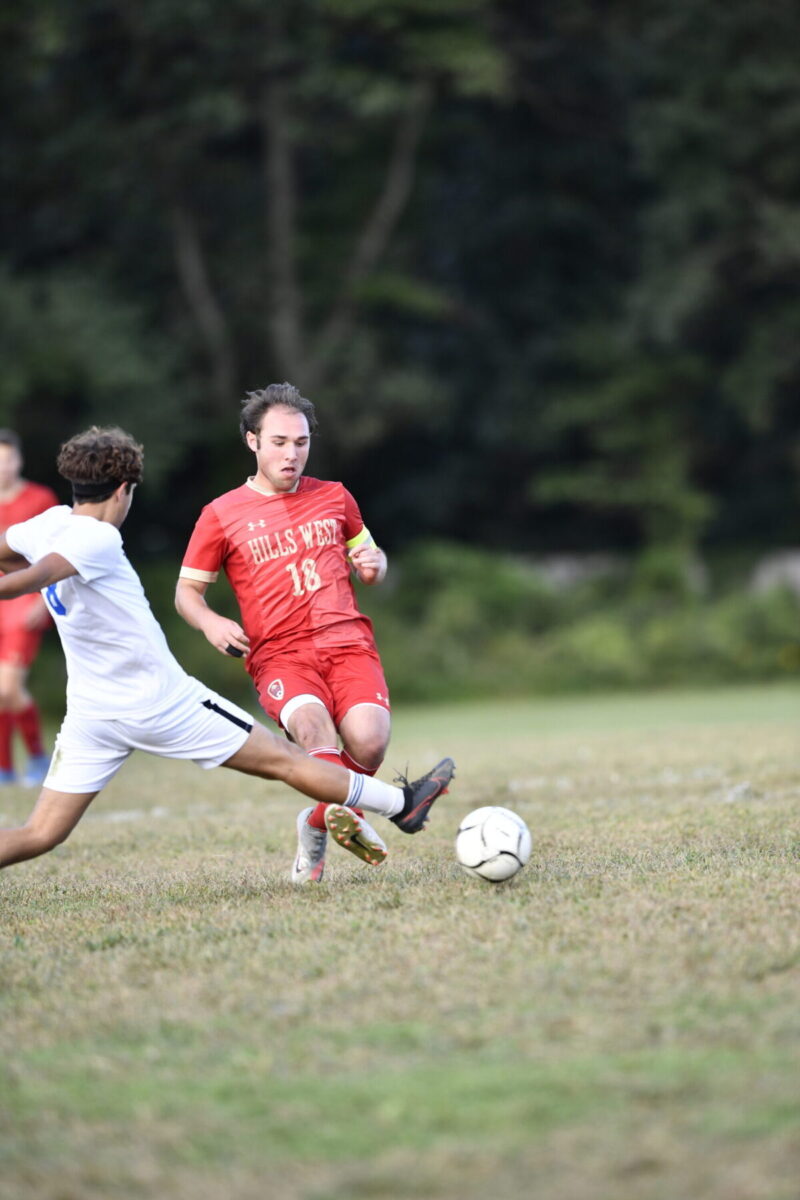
{"x":118,"y":660}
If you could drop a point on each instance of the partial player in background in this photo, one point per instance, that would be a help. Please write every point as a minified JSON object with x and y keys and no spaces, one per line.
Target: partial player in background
{"x":125,"y":691}
{"x":288,"y":544}
{"x":22,"y":623}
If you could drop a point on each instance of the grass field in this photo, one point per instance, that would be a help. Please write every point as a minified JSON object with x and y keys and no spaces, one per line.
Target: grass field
{"x":621,"y":1020}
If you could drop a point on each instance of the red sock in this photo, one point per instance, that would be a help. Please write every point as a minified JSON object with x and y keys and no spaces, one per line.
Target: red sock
{"x":6,"y":730}
{"x":29,"y":725}
{"x":330,"y":754}
{"x":349,"y":761}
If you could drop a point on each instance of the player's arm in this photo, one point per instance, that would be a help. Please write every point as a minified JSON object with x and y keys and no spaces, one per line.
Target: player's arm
{"x":9,"y":559}
{"x":37,"y":613}
{"x":32,"y":577}
{"x":365,"y":556}
{"x":224,"y":634}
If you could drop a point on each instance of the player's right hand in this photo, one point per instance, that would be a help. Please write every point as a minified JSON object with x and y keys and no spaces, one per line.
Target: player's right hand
{"x":227,"y":636}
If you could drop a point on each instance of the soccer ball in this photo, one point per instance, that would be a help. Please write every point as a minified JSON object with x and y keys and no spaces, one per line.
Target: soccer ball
{"x":493,"y":843}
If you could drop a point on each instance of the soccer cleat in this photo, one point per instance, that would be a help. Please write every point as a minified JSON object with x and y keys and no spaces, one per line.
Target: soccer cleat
{"x":309,"y":864}
{"x":355,"y":834}
{"x":7,"y":775}
{"x":420,"y":795}
{"x":36,"y":770}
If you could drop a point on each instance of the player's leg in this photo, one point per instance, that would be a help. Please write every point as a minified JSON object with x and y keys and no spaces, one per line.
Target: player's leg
{"x":270,"y":757}
{"x":361,"y":712}
{"x":294,"y":693}
{"x":7,"y":721}
{"x":28,"y":723}
{"x":365,"y":730}
{"x":408,"y":807}
{"x":311,"y":727}
{"x":87,"y":756}
{"x":54,"y":816}
{"x":20,"y":645}
{"x":308,"y":723}
{"x":360,"y":706}
{"x":202,"y":726}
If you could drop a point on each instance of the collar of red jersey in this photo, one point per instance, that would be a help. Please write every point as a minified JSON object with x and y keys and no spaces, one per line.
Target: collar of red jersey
{"x":251,"y":483}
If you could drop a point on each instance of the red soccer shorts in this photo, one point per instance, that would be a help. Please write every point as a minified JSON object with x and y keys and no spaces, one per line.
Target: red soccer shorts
{"x":18,"y":645}
{"x":340,"y":677}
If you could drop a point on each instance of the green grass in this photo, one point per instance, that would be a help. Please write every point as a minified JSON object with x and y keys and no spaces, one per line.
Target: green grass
{"x":621,"y":1020}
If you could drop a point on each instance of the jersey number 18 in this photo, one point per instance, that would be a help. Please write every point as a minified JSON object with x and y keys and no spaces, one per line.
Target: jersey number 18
{"x":306,"y":578}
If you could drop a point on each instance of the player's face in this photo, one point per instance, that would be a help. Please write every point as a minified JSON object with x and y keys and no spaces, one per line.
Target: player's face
{"x":10,"y":466}
{"x":281,"y":449}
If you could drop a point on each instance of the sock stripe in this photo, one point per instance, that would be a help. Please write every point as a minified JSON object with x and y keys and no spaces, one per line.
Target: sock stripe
{"x":356,"y":788}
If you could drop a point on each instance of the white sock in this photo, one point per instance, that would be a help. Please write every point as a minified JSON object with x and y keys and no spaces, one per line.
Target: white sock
{"x":374,"y":796}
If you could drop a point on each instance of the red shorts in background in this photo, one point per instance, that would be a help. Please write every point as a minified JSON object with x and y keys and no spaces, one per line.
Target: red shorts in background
{"x":18,"y":644}
{"x":340,"y":677}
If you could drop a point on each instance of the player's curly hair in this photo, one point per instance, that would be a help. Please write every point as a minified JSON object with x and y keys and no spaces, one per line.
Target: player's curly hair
{"x":97,"y":461}
{"x":277,"y":395}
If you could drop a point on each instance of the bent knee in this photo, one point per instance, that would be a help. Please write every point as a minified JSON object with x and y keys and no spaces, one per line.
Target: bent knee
{"x":42,"y":838}
{"x":369,"y":752}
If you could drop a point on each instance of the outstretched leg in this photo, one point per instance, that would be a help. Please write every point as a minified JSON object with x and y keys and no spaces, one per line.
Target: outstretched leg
{"x":54,"y":816}
{"x":270,"y":757}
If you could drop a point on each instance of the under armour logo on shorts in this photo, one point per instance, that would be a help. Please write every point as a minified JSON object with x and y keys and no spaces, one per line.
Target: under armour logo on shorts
{"x":275,"y":689}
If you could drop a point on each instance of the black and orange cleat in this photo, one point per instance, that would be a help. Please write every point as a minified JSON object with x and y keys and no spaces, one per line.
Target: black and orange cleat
{"x":421,"y":794}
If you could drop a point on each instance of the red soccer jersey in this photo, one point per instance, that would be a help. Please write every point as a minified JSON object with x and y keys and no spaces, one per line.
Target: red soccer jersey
{"x":286,"y":558}
{"x":30,"y":500}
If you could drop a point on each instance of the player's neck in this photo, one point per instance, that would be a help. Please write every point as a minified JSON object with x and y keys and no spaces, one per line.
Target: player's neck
{"x":106,"y":511}
{"x":12,"y":491}
{"x":259,"y":484}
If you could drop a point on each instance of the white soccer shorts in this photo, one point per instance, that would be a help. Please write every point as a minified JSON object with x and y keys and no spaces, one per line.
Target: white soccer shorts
{"x":201,"y":726}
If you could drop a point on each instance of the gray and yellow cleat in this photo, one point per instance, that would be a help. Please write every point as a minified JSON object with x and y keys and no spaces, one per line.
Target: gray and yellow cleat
{"x":354,"y":833}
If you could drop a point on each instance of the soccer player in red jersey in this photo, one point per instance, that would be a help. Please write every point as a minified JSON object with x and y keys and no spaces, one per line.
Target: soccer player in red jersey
{"x":22,"y":623}
{"x":288,"y":545}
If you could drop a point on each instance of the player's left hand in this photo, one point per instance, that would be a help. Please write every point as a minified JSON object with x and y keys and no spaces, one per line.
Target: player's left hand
{"x":369,"y":564}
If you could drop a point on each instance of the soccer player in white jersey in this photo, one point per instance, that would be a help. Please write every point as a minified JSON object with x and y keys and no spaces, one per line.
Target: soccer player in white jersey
{"x":125,"y":691}
{"x":288,"y":544}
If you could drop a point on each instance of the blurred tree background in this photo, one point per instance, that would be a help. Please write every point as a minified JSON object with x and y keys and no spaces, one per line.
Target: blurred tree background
{"x":538,"y":266}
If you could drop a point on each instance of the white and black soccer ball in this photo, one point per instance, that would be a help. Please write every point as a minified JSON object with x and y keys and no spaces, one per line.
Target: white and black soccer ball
{"x":493,"y":843}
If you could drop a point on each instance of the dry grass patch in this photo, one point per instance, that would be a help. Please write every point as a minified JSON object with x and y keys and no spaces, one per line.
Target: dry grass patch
{"x":620,"y":1020}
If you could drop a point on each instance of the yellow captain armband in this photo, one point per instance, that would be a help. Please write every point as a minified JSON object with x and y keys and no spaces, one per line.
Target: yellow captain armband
{"x":363,"y":538}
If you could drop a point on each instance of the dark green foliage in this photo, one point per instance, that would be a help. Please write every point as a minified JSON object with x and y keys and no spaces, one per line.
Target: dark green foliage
{"x":538,"y":264}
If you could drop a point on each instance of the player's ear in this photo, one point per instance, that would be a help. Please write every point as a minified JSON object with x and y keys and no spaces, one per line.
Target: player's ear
{"x":252,"y":440}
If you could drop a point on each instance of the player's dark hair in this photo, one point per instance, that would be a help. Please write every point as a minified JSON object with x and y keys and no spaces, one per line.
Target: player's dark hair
{"x":97,"y":461}
{"x":277,"y":395}
{"x":9,"y":438}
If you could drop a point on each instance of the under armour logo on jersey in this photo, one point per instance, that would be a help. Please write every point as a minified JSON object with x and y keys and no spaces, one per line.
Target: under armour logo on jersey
{"x":251,"y":525}
{"x":275,"y":689}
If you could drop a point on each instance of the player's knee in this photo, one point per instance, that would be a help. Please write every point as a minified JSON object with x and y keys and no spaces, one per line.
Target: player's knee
{"x":312,"y":727}
{"x":369,"y":752}
{"x":44,"y":837}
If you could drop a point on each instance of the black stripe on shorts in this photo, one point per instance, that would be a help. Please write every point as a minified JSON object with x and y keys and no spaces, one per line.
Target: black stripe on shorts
{"x":248,"y":725}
